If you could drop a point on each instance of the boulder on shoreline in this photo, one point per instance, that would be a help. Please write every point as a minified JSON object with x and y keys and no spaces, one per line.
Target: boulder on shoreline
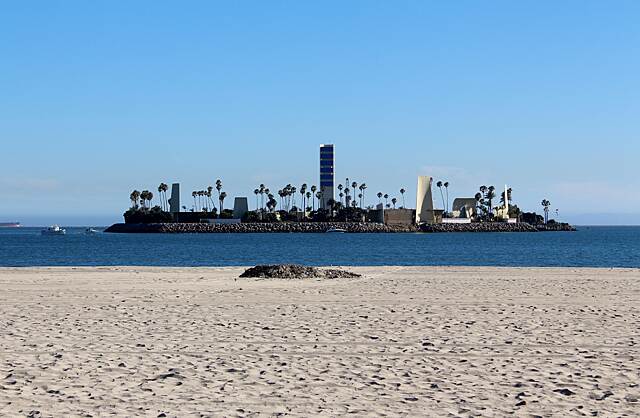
{"x":295,"y":271}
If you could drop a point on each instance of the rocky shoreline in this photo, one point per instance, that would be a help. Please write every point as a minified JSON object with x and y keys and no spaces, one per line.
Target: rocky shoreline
{"x":496,"y":227}
{"x":318,"y":227}
{"x":283,"y":227}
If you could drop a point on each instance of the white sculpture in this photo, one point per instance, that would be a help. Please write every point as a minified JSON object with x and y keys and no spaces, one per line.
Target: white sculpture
{"x":424,"y":203}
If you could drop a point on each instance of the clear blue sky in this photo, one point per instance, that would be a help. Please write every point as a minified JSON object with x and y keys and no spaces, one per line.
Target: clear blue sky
{"x":98,"y":98}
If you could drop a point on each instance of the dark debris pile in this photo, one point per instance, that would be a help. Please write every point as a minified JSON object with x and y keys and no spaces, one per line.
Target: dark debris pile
{"x":295,"y":271}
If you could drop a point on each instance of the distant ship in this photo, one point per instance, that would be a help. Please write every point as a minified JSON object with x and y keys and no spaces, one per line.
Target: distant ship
{"x":9,"y":224}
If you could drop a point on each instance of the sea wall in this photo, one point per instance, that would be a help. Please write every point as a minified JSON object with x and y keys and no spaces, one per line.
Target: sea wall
{"x":259,"y":227}
{"x":479,"y":227}
{"x":495,"y":227}
{"x":285,"y":227}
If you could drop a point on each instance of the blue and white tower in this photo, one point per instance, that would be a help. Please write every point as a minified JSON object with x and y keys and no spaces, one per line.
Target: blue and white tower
{"x":327,"y":174}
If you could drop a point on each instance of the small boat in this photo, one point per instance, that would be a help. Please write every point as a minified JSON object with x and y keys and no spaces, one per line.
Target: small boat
{"x":337,"y":230}
{"x":53,"y":230}
{"x":90,"y":231}
{"x":10,"y":225}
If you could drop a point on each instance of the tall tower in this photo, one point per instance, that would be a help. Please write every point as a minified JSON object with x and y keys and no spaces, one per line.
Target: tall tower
{"x":327,"y":174}
{"x":424,"y":201}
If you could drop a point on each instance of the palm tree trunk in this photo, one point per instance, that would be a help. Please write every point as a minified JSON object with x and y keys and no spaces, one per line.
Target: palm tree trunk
{"x":447,"y":207}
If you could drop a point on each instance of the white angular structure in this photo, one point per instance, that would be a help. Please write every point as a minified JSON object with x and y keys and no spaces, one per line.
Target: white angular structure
{"x":424,"y":201}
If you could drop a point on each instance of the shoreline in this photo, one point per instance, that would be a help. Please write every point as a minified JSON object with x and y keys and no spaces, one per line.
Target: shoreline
{"x":322,"y":227}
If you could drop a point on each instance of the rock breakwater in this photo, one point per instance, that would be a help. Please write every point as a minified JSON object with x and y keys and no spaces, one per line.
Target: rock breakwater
{"x":283,"y":227}
{"x":479,"y":227}
{"x":319,"y":227}
{"x":496,"y":227}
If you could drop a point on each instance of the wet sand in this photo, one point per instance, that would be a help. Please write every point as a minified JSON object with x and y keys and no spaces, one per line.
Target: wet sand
{"x":414,"y":341}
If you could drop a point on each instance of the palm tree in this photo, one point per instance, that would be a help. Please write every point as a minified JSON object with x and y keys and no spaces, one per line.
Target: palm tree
{"x":219,"y":188}
{"x":379,"y":197}
{"x":446,"y":187}
{"x":282,"y":195}
{"x":508,"y":198}
{"x":256,"y":192}
{"x":402,"y":191}
{"x":165,"y":187}
{"x":363,"y":187}
{"x":545,"y":205}
{"x":162,"y":192}
{"x":221,"y":197}
{"x":354,"y":186}
{"x":271,"y":202}
{"x":145,"y":196}
{"x":308,"y":196}
{"x":303,"y":192}
{"x":386,"y":199}
{"x":478,"y":201}
{"x":313,"y":192}
{"x":134,"y":196}
{"x":195,"y":202}
{"x":261,"y":191}
{"x":340,"y":187}
{"x":341,"y":195}
{"x":439,"y":186}
{"x":292,"y":193}
{"x":201,"y":202}
{"x":393,"y":201}
{"x":160,"y":195}
{"x":491,"y":194}
{"x":483,"y":191}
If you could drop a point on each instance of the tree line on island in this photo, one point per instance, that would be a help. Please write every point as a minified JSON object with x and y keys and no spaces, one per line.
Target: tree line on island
{"x":350,"y":205}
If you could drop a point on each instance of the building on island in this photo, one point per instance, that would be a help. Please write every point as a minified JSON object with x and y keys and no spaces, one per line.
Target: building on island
{"x":240,"y":207}
{"x":400,"y":216}
{"x":327,"y":174}
{"x":424,"y":201}
{"x":174,"y":200}
{"x":464,"y":207}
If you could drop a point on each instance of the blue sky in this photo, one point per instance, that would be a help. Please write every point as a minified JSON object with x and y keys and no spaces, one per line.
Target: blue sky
{"x":98,"y":98}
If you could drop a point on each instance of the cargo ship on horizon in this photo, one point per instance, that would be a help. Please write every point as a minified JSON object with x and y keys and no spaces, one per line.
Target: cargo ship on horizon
{"x":10,"y":225}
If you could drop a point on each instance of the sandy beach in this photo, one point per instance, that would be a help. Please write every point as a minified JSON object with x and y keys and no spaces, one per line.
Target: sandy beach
{"x":412,"y":341}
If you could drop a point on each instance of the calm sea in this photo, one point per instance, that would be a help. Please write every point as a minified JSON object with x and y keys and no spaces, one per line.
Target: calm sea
{"x":589,"y":247}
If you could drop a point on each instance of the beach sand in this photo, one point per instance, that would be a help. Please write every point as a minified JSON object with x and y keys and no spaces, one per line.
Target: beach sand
{"x":416,"y":341}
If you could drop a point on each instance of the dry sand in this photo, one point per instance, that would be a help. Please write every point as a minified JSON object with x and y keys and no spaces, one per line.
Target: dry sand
{"x":413,"y":341}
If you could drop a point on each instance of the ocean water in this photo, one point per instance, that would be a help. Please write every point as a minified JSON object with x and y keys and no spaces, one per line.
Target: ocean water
{"x":588,"y":247}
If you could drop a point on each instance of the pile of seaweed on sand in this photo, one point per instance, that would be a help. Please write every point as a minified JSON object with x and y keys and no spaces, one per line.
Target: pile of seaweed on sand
{"x":295,"y":271}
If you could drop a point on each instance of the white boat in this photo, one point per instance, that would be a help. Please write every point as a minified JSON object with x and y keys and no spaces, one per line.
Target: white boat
{"x":53,"y":230}
{"x":337,"y":230}
{"x":90,"y":231}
